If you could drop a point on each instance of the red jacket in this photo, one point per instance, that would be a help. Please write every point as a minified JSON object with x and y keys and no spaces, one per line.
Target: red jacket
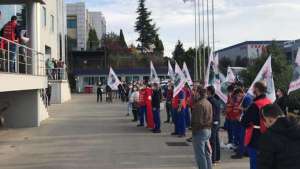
{"x":142,"y":96}
{"x":229,"y":107}
{"x":9,"y":32}
{"x":236,"y":111}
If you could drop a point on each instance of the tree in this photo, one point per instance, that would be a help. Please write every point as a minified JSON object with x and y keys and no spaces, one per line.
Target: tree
{"x":93,"y":41}
{"x":144,"y":27}
{"x":179,"y":53}
{"x":159,"y":47}
{"x":122,"y":40}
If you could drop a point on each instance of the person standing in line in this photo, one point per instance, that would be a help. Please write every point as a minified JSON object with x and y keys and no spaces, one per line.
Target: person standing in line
{"x":202,"y":119}
{"x":169,"y":97}
{"x":279,"y":146}
{"x":187,"y":92}
{"x":156,"y":99}
{"x":108,"y":91}
{"x":178,"y":104}
{"x":134,"y":98}
{"x":215,"y":138}
{"x":228,"y":113}
{"x":252,"y":120}
{"x":238,"y":97}
{"x":142,"y":106}
{"x":282,"y":100}
{"x":149,"y":112}
{"x":99,"y":93}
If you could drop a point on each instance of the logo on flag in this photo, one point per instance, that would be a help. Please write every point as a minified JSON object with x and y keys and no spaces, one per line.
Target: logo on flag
{"x":187,"y":75}
{"x":179,"y":80}
{"x":113,"y":82}
{"x":295,"y":84}
{"x":153,"y":75}
{"x":265,"y":74}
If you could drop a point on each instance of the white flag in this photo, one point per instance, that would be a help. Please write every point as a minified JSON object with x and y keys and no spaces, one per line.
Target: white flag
{"x":266,"y":74}
{"x":295,"y":84}
{"x":153,"y":75}
{"x":179,"y":80}
{"x":170,"y":71}
{"x":113,"y":81}
{"x":209,"y":68}
{"x":186,"y":74}
{"x":230,"y":76}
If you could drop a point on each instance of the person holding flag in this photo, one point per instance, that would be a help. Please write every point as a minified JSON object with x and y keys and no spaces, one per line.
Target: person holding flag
{"x":179,"y":103}
{"x":149,"y":110}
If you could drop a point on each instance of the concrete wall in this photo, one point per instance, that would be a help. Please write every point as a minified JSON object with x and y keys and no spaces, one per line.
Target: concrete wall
{"x":60,"y":92}
{"x":26,"y":109}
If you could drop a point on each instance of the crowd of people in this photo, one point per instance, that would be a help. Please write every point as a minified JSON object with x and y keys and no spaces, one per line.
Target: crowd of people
{"x":200,"y":110}
{"x":55,"y":69}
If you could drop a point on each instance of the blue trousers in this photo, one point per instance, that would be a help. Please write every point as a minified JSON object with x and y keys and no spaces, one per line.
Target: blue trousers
{"x":142,"y":113}
{"x":187,"y":117}
{"x":202,"y":155}
{"x":156,"y":117}
{"x":174,"y":118}
{"x":180,"y":122}
{"x":242,"y":148}
{"x":253,"y":157}
{"x":233,"y":130}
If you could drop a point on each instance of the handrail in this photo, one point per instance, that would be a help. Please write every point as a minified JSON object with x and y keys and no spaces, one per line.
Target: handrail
{"x":18,"y":58}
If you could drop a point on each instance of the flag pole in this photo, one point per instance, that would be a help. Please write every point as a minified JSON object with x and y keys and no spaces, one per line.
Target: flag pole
{"x":196,"y":44}
{"x":213,"y":24}
{"x":203,"y":37}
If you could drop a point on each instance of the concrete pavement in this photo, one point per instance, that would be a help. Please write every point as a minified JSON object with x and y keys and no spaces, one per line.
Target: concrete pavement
{"x":84,"y":135}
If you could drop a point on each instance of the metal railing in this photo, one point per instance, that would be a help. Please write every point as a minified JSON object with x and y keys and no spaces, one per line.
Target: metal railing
{"x":57,"y":74}
{"x":20,"y":59}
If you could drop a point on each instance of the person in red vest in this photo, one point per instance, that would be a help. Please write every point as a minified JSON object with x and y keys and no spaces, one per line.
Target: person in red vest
{"x":188,"y":95}
{"x":179,"y":105}
{"x":254,"y":122}
{"x":142,"y":105}
{"x":149,"y":112}
{"x":9,"y":32}
{"x":228,"y":113}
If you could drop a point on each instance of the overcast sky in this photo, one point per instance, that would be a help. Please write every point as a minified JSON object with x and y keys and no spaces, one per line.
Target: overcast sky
{"x":236,"y":20}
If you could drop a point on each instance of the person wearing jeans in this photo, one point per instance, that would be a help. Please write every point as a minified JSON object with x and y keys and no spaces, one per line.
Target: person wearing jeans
{"x":202,"y":119}
{"x":156,"y":99}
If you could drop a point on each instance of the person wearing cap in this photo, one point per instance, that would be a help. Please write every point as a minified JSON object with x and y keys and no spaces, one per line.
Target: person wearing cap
{"x":156,"y":99}
{"x":279,"y":146}
{"x":253,"y":122}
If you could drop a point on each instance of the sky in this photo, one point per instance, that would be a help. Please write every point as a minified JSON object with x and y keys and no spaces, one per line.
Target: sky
{"x":235,"y":20}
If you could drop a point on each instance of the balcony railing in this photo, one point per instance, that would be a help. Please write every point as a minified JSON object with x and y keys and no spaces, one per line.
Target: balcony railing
{"x":20,"y":59}
{"x":57,"y":74}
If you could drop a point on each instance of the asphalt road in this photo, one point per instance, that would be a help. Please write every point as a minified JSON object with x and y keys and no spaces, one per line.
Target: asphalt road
{"x":82,"y":134}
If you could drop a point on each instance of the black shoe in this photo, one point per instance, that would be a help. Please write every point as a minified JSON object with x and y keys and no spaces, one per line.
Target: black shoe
{"x":236,"y":156}
{"x":156,"y":131}
{"x":168,"y":121}
{"x":189,"y":140}
{"x":174,"y":134}
{"x":140,"y":125}
{"x":181,"y":136}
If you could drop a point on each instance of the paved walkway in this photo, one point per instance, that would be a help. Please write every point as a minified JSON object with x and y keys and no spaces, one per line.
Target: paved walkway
{"x":84,"y":135}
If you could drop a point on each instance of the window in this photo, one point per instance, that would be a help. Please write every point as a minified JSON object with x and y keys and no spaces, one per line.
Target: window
{"x":72,"y":23}
{"x":52,"y":23}
{"x":44,"y":17}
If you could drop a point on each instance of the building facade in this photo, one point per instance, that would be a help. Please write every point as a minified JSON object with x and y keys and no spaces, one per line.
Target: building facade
{"x":79,"y":22}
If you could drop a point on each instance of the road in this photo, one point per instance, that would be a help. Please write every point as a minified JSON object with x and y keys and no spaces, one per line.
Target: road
{"x":82,"y":134}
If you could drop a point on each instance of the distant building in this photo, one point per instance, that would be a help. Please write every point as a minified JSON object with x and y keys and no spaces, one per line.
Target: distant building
{"x":80,"y":21}
{"x":291,"y":49}
{"x":248,"y":49}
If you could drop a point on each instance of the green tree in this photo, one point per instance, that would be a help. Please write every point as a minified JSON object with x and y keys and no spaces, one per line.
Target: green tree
{"x":93,"y":41}
{"x":159,"y":47}
{"x":144,"y":27}
{"x":179,"y":53}
{"x":122,"y":40}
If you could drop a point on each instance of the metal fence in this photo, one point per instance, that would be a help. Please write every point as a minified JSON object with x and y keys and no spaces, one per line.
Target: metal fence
{"x":57,"y":74}
{"x":20,"y":59}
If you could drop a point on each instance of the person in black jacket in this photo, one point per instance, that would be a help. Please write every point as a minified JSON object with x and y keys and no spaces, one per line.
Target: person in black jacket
{"x":279,"y":146}
{"x":99,"y":93}
{"x":282,"y":100}
{"x":215,"y":138}
{"x":156,"y":99}
{"x":251,"y":120}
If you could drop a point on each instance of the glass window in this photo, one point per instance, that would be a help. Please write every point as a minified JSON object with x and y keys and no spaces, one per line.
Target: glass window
{"x":44,"y":16}
{"x":52,"y":23}
{"x":72,"y":23}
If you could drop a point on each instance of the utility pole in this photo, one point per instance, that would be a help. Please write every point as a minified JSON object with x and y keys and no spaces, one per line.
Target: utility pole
{"x":196,"y":45}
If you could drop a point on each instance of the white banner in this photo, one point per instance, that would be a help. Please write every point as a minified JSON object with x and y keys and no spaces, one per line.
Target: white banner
{"x":113,"y":81}
{"x":153,"y":75}
{"x":230,"y":76}
{"x":186,"y":74}
{"x":295,"y":84}
{"x":179,"y":80}
{"x":170,"y":71}
{"x":266,"y":74}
